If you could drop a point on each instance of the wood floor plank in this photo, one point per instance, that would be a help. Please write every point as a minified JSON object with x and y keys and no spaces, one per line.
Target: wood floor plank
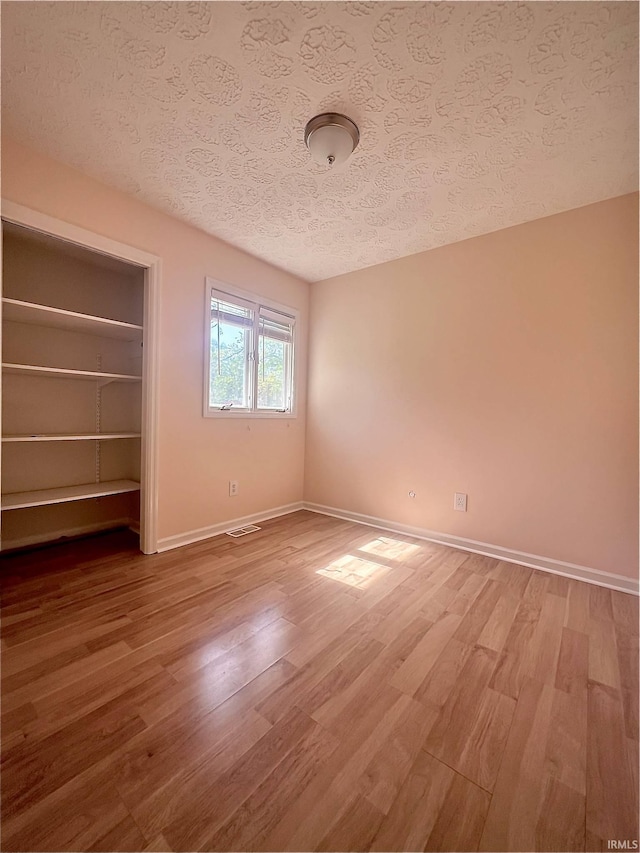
{"x":626,"y":612}
{"x":318,"y":685}
{"x":174,"y":786}
{"x":228,"y":673}
{"x":336,"y":787}
{"x":417,"y":806}
{"x":577,"y":616}
{"x":558,"y":586}
{"x":508,"y":675}
{"x":467,"y":594}
{"x":437,"y":602}
{"x":561,"y":823}
{"x":159,"y":844}
{"x":611,"y":810}
{"x":36,"y":769}
{"x":16,"y":720}
{"x":34,"y":652}
{"x":630,"y":700}
{"x":480,"y":564}
{"x":600,"y":603}
{"x":73,"y":817}
{"x":566,"y":746}
{"x":603,"y":654}
{"x":472,"y":726}
{"x":540,"y":658}
{"x":479,"y":759}
{"x":633,"y":755}
{"x":52,"y":680}
{"x":627,"y":648}
{"x":124,"y":836}
{"x":395,"y":610}
{"x":172,"y":749}
{"x":211,"y":802}
{"x":183,"y":662}
{"x":355,"y":830}
{"x":155,"y":778}
{"x":415,"y":668}
{"x":573,"y":662}
{"x":519,"y":579}
{"x":252,"y":821}
{"x":29,"y":675}
{"x":339,"y":679}
{"x":387,"y":771}
{"x":131,"y":689}
{"x":443,"y":676}
{"x":461,"y":819}
{"x":321,"y":633}
{"x":545,"y":757}
{"x":518,"y":794}
{"x":477,"y":617}
{"x":308,"y":683}
{"x":338,"y":713}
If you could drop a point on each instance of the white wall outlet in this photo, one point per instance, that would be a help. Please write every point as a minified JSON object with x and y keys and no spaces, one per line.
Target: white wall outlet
{"x":460,"y":502}
{"x":233,"y":488}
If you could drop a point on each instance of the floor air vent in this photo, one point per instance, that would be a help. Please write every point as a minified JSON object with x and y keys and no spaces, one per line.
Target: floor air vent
{"x":243,"y":531}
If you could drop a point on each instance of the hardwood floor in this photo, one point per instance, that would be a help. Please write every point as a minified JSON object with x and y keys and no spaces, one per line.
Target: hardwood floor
{"x":318,"y":685}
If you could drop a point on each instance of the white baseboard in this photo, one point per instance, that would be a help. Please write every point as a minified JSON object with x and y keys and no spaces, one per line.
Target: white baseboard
{"x":191,"y":536}
{"x":545,"y":564}
{"x":534,"y":561}
{"x":58,"y":536}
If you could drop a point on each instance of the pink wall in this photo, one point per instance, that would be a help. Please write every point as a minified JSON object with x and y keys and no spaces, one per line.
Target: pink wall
{"x":197,"y":456}
{"x":505,"y":367}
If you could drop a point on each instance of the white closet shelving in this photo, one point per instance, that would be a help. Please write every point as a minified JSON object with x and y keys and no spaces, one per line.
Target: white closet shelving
{"x":65,"y":373}
{"x":96,"y":436}
{"x":44,"y":497}
{"x":70,"y":437}
{"x":44,"y":315}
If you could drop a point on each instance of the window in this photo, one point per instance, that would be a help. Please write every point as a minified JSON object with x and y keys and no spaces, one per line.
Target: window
{"x":249,"y":366}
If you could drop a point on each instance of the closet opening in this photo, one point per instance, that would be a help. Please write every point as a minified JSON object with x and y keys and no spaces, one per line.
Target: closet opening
{"x":78,"y":436}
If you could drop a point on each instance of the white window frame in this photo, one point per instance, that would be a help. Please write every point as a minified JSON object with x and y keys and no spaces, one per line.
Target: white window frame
{"x":257,"y":302}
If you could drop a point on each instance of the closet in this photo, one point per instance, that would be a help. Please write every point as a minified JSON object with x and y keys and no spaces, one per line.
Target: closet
{"x":72,"y":335}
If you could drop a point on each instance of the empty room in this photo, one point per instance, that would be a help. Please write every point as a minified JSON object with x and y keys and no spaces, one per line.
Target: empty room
{"x":319,"y":426}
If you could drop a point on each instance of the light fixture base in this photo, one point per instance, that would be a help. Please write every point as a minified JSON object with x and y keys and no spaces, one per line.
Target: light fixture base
{"x":331,"y":137}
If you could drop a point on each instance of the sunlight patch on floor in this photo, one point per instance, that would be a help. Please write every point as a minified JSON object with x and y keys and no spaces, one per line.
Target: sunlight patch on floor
{"x":385,"y":546}
{"x":353,"y":571}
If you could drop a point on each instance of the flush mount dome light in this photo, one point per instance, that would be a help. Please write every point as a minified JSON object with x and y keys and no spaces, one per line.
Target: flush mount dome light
{"x":331,"y":138}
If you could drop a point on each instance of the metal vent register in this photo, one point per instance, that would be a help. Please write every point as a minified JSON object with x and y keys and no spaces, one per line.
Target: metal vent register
{"x":243,"y":531}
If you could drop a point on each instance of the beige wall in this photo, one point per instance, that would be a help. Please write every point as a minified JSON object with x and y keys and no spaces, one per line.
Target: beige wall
{"x":505,"y":367}
{"x":197,"y":456}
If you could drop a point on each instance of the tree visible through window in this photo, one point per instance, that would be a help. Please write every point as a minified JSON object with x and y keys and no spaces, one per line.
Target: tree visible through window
{"x":250,"y":366}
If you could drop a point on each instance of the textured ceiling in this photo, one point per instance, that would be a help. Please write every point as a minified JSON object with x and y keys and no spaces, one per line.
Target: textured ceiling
{"x":473,"y":116}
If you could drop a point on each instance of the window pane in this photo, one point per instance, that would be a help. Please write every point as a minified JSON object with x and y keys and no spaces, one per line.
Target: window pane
{"x":273,"y":374}
{"x":231,"y":333}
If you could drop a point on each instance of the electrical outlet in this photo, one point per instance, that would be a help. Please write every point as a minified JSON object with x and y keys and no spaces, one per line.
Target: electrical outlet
{"x":233,"y":488}
{"x":460,"y":502}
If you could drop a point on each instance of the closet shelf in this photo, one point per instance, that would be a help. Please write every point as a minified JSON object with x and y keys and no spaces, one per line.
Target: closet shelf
{"x":42,"y":497}
{"x":18,"y":311}
{"x":95,"y":436}
{"x":62,"y":373}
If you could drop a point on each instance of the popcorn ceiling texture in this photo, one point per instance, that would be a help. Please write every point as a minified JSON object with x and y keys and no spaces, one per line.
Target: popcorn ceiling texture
{"x":473,"y":116}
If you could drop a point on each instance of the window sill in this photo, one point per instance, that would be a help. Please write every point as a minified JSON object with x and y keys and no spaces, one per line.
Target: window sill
{"x":229,"y":414}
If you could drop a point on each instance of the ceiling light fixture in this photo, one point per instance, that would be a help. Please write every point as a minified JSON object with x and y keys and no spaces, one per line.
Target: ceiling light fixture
{"x":331,"y":138}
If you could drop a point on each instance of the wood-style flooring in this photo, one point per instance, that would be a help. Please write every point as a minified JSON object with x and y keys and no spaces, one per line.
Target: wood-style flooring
{"x":317,"y":685}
